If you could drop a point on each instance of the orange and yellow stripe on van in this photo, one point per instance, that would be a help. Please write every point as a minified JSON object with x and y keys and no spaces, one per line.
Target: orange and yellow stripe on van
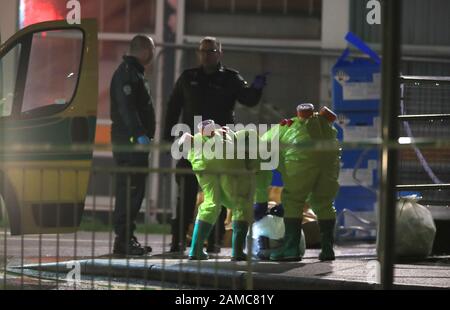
{"x":103,"y":132}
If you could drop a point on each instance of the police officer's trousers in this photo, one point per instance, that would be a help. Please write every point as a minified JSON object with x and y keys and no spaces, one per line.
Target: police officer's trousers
{"x":130,"y":192}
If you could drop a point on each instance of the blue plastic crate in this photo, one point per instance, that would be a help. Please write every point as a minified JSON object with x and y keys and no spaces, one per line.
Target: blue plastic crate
{"x":357,"y":81}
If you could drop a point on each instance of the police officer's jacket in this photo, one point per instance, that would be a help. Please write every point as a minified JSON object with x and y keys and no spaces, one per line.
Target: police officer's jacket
{"x":212,"y":96}
{"x":132,"y":111}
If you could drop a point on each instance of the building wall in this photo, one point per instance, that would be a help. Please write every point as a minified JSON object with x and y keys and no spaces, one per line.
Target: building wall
{"x":424,"y":22}
{"x":253,"y":26}
{"x":273,"y":25}
{"x":425,"y":30}
{"x":8,"y":19}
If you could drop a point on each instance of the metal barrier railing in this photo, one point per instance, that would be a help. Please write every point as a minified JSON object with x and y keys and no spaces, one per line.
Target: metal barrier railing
{"x":428,"y":96}
{"x":81,"y":258}
{"x":59,"y":252}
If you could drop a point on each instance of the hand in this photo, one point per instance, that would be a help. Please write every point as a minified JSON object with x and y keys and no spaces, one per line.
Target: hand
{"x":144,"y":140}
{"x":260,"y":81}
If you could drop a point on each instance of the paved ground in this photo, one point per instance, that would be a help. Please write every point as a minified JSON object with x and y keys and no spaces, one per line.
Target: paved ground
{"x":354,"y":268}
{"x":18,"y":251}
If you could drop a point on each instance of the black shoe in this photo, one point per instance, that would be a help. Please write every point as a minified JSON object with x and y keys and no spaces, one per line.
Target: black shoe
{"x":213,"y":249}
{"x":239,"y":258}
{"x":176,"y":248}
{"x":147,"y":248}
{"x":122,"y":247}
{"x":200,"y":256}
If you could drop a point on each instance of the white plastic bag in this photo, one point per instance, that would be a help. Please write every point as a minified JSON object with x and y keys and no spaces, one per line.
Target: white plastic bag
{"x":269,"y":226}
{"x":415,"y":228}
{"x":268,"y":234}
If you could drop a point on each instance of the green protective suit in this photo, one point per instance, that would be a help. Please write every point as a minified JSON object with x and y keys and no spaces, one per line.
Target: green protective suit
{"x":235,"y":192}
{"x":309,"y":175}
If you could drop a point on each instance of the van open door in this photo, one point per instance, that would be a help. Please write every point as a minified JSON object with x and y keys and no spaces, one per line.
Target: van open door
{"x":48,"y":111}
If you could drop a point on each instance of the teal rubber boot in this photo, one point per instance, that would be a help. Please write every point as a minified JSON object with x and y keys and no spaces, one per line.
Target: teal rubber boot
{"x":327,"y":240}
{"x":240,"y":229}
{"x":290,"y":250}
{"x":200,"y":234}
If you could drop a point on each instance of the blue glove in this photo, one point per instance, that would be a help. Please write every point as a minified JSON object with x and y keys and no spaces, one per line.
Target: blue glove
{"x":143,"y":140}
{"x":260,"y":81}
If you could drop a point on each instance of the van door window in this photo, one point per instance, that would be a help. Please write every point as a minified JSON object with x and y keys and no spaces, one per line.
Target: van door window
{"x":8,"y":76}
{"x":53,"y":71}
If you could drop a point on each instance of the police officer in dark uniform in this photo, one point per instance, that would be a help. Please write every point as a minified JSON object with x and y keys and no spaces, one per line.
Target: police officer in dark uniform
{"x":133,"y":122}
{"x":210,"y":91}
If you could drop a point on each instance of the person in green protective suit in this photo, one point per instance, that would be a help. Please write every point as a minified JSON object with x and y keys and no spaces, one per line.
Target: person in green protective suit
{"x":309,"y":175}
{"x":235,"y":192}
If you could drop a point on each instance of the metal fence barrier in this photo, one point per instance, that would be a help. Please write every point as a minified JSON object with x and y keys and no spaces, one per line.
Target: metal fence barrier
{"x":64,"y":256}
{"x":80,"y":258}
{"x":58,"y":251}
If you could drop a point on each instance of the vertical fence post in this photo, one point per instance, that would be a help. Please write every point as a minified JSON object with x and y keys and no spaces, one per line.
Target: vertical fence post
{"x":391,"y":23}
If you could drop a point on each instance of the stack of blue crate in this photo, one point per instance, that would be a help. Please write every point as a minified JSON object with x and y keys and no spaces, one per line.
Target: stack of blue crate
{"x":356,"y":101}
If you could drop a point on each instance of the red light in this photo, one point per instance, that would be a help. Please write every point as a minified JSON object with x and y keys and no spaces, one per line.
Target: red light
{"x":36,"y":11}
